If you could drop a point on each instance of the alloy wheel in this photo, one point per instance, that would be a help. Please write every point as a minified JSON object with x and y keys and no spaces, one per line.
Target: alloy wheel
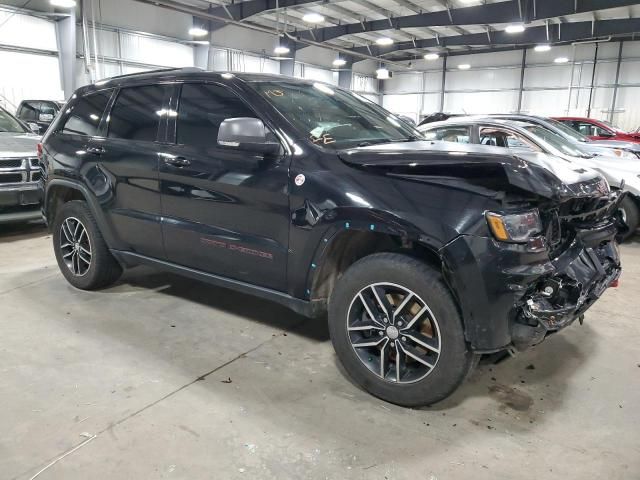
{"x":75,"y":246}
{"x":393,"y":332}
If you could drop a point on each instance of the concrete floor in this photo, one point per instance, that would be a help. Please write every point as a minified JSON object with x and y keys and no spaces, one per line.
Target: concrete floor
{"x":163,"y":377}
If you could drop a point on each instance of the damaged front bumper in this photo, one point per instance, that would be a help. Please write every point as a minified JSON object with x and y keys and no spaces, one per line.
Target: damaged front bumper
{"x":511,"y":297}
{"x":582,"y":274}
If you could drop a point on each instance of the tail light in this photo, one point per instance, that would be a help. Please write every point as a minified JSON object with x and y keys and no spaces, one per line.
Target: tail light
{"x":40,"y":151}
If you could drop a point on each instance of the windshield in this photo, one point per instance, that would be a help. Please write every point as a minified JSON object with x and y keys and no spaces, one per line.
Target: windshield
{"x":557,"y":142}
{"x":333,"y":118}
{"x":9,"y":124}
{"x":612,"y":126}
{"x":570,"y":132}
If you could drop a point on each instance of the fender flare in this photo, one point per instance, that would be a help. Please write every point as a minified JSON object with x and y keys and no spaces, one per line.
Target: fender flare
{"x":367,"y":221}
{"x":92,"y":202}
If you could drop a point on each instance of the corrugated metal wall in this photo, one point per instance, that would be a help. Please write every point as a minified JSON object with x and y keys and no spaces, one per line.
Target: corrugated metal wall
{"x":492,"y":85}
{"x":28,"y":54}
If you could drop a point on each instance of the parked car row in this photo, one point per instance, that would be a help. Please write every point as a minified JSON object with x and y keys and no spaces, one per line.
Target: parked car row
{"x":20,"y":195}
{"x":425,"y":254}
{"x":526,"y":133}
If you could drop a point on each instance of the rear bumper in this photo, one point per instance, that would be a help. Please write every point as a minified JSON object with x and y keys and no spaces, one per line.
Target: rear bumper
{"x":511,"y":298}
{"x":20,"y":203}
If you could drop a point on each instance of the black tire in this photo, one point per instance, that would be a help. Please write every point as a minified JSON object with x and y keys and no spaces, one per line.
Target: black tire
{"x":454,"y":361}
{"x":631,"y":216}
{"x":102,"y":269}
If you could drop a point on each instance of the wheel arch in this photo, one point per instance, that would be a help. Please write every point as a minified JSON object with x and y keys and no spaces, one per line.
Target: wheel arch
{"x":60,"y":191}
{"x":346,"y":244}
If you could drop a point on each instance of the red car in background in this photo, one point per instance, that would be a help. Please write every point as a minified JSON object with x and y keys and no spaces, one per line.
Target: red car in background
{"x":599,"y":129}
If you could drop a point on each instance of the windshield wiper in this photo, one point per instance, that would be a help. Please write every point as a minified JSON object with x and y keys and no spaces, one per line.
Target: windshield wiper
{"x":380,"y":141}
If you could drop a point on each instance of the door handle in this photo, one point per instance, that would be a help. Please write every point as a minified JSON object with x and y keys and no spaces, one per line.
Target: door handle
{"x":177,"y":162}
{"x":96,"y":150}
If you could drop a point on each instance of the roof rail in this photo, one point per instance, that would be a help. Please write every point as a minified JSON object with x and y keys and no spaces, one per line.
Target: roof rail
{"x":159,"y":70}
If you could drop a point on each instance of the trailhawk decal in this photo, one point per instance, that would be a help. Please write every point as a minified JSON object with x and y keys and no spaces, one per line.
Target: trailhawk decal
{"x":236,"y":248}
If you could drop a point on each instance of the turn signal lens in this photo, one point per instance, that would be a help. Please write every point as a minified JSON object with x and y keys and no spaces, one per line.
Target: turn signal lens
{"x":518,"y":227}
{"x":497,"y":227}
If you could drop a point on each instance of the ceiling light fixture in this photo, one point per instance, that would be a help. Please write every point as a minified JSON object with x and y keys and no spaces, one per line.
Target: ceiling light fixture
{"x":339,"y":62}
{"x":542,"y":48}
{"x":431,"y":56}
{"x":63,"y":3}
{"x":382,"y":74}
{"x":198,"y":32}
{"x":517,"y":28}
{"x":384,"y":41}
{"x":313,"y":17}
{"x":464,"y":66}
{"x":561,"y":60}
{"x":280,"y":49}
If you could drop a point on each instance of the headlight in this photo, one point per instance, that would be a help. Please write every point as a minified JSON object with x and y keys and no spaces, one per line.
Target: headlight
{"x":624,"y":153}
{"x":517,"y":227}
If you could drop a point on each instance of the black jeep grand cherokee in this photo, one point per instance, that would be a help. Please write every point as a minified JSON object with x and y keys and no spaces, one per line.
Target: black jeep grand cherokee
{"x":310,"y":196}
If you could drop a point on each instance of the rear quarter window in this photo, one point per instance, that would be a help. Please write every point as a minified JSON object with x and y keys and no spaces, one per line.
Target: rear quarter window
{"x":85,"y":114}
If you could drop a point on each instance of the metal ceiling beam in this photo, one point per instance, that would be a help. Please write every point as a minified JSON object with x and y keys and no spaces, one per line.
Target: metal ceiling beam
{"x":178,"y":7}
{"x":249,"y":8}
{"x":532,"y":35}
{"x":491,"y":13}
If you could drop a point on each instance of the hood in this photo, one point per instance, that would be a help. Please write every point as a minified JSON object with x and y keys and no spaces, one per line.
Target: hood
{"x":615,"y":170}
{"x":14,"y":145}
{"x":631,"y":146}
{"x":477,"y":166}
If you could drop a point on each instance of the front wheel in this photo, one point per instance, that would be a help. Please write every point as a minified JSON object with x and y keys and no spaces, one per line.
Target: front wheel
{"x":397,"y":331}
{"x":630,"y":214}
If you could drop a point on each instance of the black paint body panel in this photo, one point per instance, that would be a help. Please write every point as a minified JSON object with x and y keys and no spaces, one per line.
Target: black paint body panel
{"x":235,"y":216}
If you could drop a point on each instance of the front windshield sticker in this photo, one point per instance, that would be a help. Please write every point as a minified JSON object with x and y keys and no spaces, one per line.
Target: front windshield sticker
{"x":324,"y":139}
{"x":275,"y":93}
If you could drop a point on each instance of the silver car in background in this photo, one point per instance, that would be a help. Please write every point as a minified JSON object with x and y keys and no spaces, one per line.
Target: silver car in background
{"x":20,"y":172}
{"x":621,"y":173}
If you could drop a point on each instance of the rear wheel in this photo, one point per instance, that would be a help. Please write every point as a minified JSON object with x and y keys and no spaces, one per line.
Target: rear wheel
{"x":82,"y":254}
{"x":397,"y":331}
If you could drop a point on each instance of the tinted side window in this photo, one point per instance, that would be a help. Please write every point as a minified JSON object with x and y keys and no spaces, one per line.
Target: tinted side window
{"x":86,"y":113}
{"x":201,"y":111}
{"x":28,"y":112}
{"x":136,"y":113}
{"x":450,"y":134}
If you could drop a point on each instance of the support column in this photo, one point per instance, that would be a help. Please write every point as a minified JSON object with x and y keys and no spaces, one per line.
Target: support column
{"x":593,"y":79}
{"x":345,"y":74}
{"x":521,"y":91}
{"x":66,"y":39}
{"x":287,"y":67}
{"x":616,"y":85}
{"x":201,"y":51}
{"x":444,"y":78}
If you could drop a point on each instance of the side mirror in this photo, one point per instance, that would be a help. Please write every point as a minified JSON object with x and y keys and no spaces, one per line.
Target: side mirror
{"x":247,"y":134}
{"x":35,"y":128}
{"x":606,"y":133}
{"x":45,"y":117}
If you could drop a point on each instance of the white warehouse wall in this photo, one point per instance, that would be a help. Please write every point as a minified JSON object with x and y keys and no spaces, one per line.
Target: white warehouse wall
{"x":492,"y":85}
{"x":30,"y":54}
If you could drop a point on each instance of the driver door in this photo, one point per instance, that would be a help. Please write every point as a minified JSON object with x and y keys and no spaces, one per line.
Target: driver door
{"x":225,"y":211}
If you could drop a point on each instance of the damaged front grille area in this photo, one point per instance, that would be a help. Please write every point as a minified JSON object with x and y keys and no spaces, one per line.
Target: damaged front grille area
{"x":579,"y":213}
{"x":579,"y":233}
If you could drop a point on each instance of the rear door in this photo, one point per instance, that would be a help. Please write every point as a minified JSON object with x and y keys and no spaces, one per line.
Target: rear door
{"x":128,"y":164}
{"x":225,"y":211}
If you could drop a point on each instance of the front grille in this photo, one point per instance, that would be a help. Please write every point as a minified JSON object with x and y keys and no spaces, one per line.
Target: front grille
{"x":19,"y":170}
{"x":11,"y":163}
{"x":11,"y":178}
